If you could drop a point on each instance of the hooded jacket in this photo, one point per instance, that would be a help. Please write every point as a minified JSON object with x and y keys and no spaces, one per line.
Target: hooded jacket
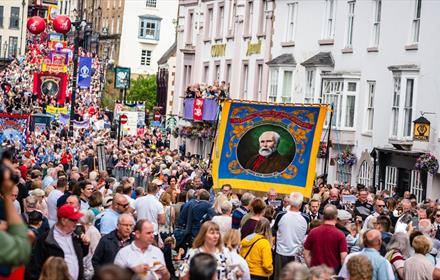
{"x":259,"y":257}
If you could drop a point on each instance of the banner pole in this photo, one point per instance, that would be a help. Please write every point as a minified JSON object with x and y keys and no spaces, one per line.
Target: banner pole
{"x":327,"y":155}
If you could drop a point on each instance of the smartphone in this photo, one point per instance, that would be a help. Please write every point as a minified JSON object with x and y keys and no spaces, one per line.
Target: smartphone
{"x":79,"y":230}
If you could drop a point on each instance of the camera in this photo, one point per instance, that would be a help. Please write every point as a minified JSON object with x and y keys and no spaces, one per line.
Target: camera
{"x":79,"y":230}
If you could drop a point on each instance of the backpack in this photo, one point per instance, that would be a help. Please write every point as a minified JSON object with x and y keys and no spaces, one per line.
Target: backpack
{"x":98,"y":222}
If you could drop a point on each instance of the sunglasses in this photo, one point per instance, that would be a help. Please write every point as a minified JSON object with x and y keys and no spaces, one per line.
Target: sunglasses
{"x":438,"y":215}
{"x":123,"y":205}
{"x":380,"y":205}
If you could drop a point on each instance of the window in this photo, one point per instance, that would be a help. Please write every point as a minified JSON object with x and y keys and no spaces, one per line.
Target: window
{"x":259,"y":83}
{"x":407,"y":109}
{"x":402,"y":107}
{"x":343,"y":174}
{"x":287,"y":87}
{"x":244,"y":81}
{"x":350,"y":23}
{"x":342,"y":95}
{"x":118,"y":25}
{"x":262,"y":20}
{"x":151,"y":3}
{"x":15,"y":18}
{"x":273,"y":85}
{"x":1,"y":47}
{"x":220,"y":21}
{"x":13,"y":43}
{"x":189,"y":28}
{"x":329,"y":28}
{"x":249,"y":18}
{"x":291,"y":19}
{"x":206,"y":72}
{"x":416,"y":21}
{"x":376,"y":23}
{"x":208,"y":24}
{"x":216,"y":71}
{"x":231,"y":18}
{"x":310,"y":87}
{"x":145,"y":57}
{"x":149,"y":28}
{"x":228,"y":72}
{"x":112,"y":23}
{"x":395,"y":106}
{"x":370,"y":105}
{"x":1,"y":16}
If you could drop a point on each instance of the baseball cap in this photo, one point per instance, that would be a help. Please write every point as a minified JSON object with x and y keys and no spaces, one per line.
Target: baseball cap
{"x":69,"y":212}
{"x":344,"y":215}
{"x":157,"y":182}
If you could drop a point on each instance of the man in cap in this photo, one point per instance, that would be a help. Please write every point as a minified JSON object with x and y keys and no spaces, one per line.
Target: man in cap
{"x":60,"y":241}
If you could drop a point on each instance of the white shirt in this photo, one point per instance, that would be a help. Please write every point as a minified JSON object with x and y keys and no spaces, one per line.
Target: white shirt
{"x":131,"y":201}
{"x":17,"y":206}
{"x":291,"y":233}
{"x":70,"y":257}
{"x":148,"y":207}
{"x":131,"y":256}
{"x":244,"y":267}
{"x":52,"y":206}
{"x":224,"y":223}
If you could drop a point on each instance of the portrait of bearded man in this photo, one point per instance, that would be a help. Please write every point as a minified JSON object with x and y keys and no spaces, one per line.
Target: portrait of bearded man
{"x":268,"y":160}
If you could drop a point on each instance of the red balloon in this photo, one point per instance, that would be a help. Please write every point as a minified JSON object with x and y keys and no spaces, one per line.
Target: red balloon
{"x":62,"y":24}
{"x":36,"y":25}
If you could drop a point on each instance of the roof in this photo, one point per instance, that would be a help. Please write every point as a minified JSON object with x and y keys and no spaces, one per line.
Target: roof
{"x":320,"y":59}
{"x":284,"y":59}
{"x":422,"y":120}
{"x":169,"y":53}
{"x":150,"y":17}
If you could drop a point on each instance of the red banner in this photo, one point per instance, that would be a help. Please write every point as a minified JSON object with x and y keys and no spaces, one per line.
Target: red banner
{"x":198,"y":110}
{"x":51,"y":84}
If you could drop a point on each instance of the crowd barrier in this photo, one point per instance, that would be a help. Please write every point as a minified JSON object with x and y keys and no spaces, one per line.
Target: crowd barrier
{"x":141,"y":180}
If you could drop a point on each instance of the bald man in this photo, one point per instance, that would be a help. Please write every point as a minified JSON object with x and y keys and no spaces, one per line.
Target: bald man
{"x":268,"y":160}
{"x":381,"y":267}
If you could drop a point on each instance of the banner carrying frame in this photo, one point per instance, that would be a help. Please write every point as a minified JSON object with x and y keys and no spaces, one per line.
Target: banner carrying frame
{"x":289,"y":161}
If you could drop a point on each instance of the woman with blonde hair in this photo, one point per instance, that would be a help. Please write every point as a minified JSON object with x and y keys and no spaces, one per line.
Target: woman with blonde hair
{"x":256,"y":249}
{"x":166,"y":229}
{"x":360,"y":268}
{"x":208,"y":240}
{"x":55,"y":268}
{"x":216,"y":209}
{"x":232,"y":242}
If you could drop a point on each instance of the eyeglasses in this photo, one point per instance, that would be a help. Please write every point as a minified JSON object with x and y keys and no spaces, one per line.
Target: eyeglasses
{"x":123,"y":205}
{"x":380,"y":205}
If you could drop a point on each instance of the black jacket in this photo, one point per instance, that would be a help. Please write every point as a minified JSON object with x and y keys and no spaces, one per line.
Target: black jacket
{"x":108,"y":247}
{"x":46,"y":246}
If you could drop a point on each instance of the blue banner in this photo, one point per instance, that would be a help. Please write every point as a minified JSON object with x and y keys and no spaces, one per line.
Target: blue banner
{"x":13,"y":128}
{"x":262,"y":146}
{"x":85,"y":72}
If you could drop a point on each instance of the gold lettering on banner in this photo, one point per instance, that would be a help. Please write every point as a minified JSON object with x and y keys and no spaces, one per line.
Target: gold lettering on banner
{"x":253,"y":48}
{"x":218,"y":50}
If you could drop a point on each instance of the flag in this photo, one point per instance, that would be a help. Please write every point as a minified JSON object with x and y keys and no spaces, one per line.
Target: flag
{"x":198,"y":109}
{"x":85,"y":72}
{"x":263,"y":146}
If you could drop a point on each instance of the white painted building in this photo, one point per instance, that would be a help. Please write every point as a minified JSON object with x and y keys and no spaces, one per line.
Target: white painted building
{"x":13,"y":16}
{"x":148,"y":31}
{"x":225,"y":41}
{"x":376,"y":62}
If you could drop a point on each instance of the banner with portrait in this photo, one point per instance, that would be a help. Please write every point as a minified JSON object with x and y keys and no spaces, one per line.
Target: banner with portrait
{"x":14,"y":128}
{"x":260,"y":146}
{"x":49,"y":84}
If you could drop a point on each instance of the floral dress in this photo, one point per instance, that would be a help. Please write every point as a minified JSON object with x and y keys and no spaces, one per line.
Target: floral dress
{"x":224,"y":263}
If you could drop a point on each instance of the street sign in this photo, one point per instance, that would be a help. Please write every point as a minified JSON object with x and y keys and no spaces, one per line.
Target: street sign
{"x":122,"y":77}
{"x":124,"y":119}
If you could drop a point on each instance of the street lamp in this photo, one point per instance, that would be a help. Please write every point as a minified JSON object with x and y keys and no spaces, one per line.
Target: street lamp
{"x":78,"y":25}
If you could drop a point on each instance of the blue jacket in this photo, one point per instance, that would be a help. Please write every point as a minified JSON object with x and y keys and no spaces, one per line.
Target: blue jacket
{"x":197,"y":215}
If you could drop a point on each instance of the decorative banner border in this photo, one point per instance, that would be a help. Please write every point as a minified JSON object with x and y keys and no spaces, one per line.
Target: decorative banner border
{"x":288,"y":165}
{"x":14,"y":127}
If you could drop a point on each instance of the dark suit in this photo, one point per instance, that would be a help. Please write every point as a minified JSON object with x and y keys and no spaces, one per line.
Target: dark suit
{"x":273,"y":163}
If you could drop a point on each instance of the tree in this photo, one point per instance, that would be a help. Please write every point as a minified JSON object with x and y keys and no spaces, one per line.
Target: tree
{"x":143,"y":89}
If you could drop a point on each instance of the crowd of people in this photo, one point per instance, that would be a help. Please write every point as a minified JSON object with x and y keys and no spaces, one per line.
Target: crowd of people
{"x":216,"y":90}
